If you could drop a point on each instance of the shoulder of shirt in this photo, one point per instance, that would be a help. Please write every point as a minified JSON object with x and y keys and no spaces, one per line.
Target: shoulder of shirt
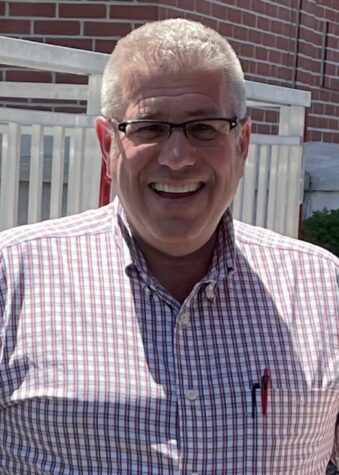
{"x":249,"y":235}
{"x":86,"y":223}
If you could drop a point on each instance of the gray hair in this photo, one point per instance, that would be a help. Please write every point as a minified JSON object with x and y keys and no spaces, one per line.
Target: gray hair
{"x":171,"y":46}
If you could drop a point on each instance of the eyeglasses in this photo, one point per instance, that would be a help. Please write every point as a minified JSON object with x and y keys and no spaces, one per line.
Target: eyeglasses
{"x":199,"y":131}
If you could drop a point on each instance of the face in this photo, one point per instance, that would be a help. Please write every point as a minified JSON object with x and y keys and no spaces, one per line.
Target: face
{"x":174,"y":194}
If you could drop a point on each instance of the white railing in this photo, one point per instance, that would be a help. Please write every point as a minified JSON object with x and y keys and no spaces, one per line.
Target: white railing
{"x":50,"y":162}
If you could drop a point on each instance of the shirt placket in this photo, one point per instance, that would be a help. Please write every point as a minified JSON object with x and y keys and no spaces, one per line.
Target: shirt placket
{"x":188,"y":389}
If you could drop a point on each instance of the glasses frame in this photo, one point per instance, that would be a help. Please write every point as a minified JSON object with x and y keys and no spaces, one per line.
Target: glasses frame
{"x":233,"y":122}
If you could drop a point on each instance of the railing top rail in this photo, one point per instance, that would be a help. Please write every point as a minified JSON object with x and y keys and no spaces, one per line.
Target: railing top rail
{"x":277,"y":94}
{"x":62,"y":59}
{"x":30,"y":54}
{"x":45,"y":118}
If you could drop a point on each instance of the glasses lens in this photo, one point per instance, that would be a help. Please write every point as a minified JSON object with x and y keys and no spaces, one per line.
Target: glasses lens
{"x":207,"y":129}
{"x":147,"y":131}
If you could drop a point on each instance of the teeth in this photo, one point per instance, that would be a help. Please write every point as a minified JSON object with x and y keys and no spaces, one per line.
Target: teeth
{"x":176,"y":188}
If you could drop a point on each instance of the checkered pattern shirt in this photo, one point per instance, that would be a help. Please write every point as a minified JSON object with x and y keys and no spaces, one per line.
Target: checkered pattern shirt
{"x":102,"y":371}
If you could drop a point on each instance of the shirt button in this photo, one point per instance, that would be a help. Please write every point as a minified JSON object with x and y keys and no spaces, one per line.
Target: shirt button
{"x":192,"y":394}
{"x":184,"y":319}
{"x":210,"y":291}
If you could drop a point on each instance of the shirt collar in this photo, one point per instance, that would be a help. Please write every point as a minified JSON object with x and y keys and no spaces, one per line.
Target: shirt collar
{"x":223,"y":261}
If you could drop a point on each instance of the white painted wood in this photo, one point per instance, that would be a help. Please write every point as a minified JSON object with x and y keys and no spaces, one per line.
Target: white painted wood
{"x":45,"y":118}
{"x":31,"y":54}
{"x":277,"y":94}
{"x":10,"y":167}
{"x":35,"y":174}
{"x":75,"y":172}
{"x":91,"y":171}
{"x":53,"y":91}
{"x":249,"y":186}
{"x":57,"y":173}
{"x":93,"y":94}
{"x":262,"y":193}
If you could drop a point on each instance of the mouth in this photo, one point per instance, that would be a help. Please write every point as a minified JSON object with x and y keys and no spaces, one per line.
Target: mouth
{"x":176,"y":191}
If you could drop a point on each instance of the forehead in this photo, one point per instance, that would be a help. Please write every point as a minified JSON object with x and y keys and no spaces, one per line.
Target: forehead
{"x":183,"y":94}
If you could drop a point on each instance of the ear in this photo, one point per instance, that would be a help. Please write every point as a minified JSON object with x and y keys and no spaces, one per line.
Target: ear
{"x":104,"y":135}
{"x":244,"y":137}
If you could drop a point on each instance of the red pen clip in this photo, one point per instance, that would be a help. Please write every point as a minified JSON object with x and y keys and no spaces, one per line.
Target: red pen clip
{"x":265,"y":386}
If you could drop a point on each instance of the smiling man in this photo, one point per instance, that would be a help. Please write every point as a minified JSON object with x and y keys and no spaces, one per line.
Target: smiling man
{"x":156,"y":335}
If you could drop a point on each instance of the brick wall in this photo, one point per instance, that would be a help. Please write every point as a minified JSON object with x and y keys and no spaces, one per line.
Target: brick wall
{"x":293,"y":43}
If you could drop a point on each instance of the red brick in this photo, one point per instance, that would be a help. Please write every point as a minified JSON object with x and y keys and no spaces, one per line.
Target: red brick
{"x":247,"y":50}
{"x":248,"y":19}
{"x":78,"y":43}
{"x":257,"y":7}
{"x":271,"y":116}
{"x":32,"y":9}
{"x":239,"y":32}
{"x":332,"y":83}
{"x":28,"y":76}
{"x":70,"y":109}
{"x":257,"y":114}
{"x":210,"y":22}
{"x":93,"y":28}
{"x":333,"y":41}
{"x":331,"y":138}
{"x":329,"y":109}
{"x":285,"y":14}
{"x":276,"y":57}
{"x":308,"y":50}
{"x":236,"y":45}
{"x":304,"y":77}
{"x":333,"y":124}
{"x":186,"y":4}
{"x":277,"y":27}
{"x":332,"y":55}
{"x":2,"y":8}
{"x":307,"y":20}
{"x":256,"y":37}
{"x":14,"y":26}
{"x":310,"y":36}
{"x":226,"y":29}
{"x":219,"y":11}
{"x":64,"y":78}
{"x":282,"y":43}
{"x":264,"y":24}
{"x":264,"y":69}
{"x":308,"y":64}
{"x":318,"y":108}
{"x":203,"y":6}
{"x":271,"y":10}
{"x":261,"y":53}
{"x":84,"y":10}
{"x":56,"y":27}
{"x":133,"y":12}
{"x":104,"y":46}
{"x":234,"y":15}
{"x":313,"y":135}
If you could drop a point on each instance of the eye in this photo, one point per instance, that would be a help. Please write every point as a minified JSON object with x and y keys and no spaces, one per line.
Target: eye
{"x":146,"y":130}
{"x":203,"y":130}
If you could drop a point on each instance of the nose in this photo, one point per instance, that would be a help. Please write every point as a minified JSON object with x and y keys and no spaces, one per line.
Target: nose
{"x":177,"y":152}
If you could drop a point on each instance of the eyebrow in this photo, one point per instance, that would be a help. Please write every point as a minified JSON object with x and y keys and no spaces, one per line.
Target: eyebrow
{"x":205,"y":113}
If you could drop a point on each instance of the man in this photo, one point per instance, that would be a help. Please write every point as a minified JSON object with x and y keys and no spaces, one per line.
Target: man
{"x":154,"y":335}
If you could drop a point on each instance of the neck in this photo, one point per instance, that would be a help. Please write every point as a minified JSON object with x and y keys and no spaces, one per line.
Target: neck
{"x":179,"y":274}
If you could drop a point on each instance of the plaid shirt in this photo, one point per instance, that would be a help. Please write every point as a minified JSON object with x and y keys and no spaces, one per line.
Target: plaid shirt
{"x":102,"y":371}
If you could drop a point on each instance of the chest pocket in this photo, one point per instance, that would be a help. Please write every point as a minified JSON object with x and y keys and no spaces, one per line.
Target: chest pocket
{"x":297,"y":433}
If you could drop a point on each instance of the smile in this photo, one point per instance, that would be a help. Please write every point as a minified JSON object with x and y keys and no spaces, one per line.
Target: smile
{"x":176,"y":191}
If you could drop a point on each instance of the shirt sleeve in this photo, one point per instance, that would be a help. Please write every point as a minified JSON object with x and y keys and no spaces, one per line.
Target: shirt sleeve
{"x":335,"y":453}
{"x":3,"y":291}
